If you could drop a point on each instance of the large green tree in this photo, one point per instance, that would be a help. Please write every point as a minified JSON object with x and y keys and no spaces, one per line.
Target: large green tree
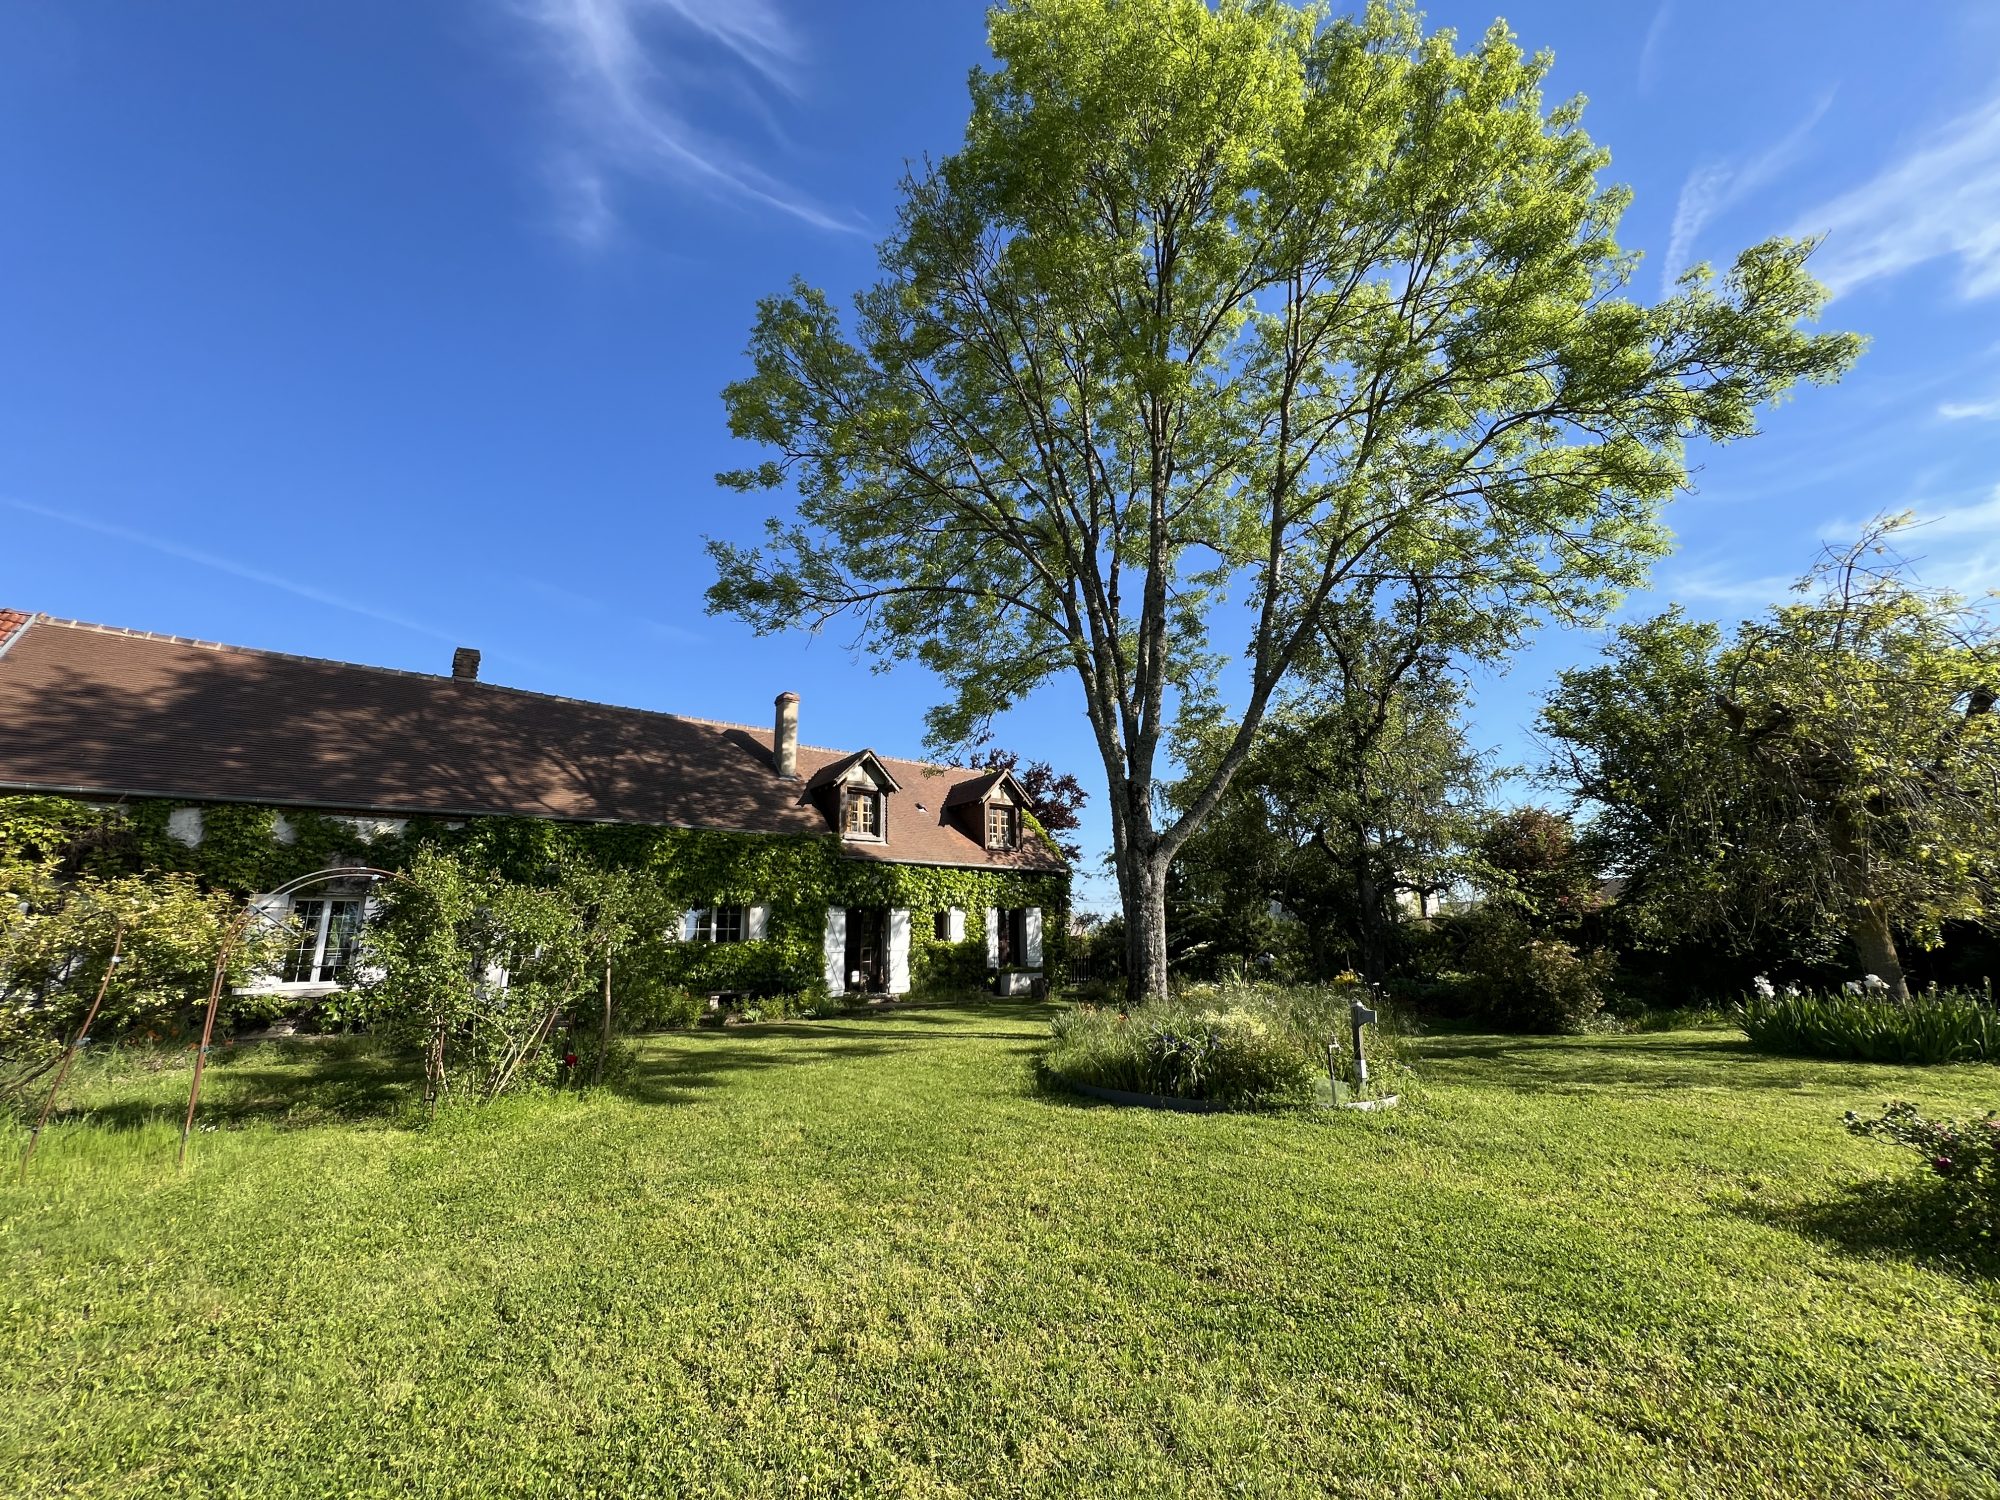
{"x":1237,"y":302}
{"x":1831,"y":769}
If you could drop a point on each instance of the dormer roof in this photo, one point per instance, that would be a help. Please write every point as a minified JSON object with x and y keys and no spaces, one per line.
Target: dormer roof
{"x":862,"y":760}
{"x":983,"y":788}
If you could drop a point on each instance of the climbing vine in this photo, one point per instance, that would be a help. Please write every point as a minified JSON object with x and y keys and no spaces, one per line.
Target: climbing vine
{"x":245,"y":849}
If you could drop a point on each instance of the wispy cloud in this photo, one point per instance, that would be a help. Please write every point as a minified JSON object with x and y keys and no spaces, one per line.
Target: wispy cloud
{"x":1716,"y":186}
{"x":232,"y":568}
{"x":627,"y":75}
{"x":1971,"y":411}
{"x":1940,"y":202}
{"x":1649,"y":54}
{"x":1969,"y":527}
{"x":1713,"y":584}
{"x":584,"y":604}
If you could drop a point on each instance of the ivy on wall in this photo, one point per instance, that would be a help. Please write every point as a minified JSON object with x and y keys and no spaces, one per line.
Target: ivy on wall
{"x":797,"y":875}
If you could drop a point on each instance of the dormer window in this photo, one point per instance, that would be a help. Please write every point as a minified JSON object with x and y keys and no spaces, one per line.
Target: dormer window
{"x":1003,"y":825}
{"x":864,"y":815}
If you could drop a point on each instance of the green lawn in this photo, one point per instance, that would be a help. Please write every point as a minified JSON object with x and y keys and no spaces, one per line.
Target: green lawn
{"x":867,"y":1257}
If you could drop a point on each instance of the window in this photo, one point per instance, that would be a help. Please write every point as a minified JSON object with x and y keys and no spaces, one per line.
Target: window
{"x":1003,"y":825}
{"x":721,"y":924}
{"x":941,"y":927}
{"x":329,"y":931}
{"x":864,"y":815}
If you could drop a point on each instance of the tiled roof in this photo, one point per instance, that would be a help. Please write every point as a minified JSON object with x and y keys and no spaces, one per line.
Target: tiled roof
{"x":96,"y":711}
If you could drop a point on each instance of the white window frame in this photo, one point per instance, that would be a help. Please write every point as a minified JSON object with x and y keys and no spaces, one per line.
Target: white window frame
{"x":706,"y":928}
{"x":322,"y":929}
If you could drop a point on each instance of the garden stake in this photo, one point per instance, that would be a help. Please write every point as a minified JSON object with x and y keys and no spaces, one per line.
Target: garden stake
{"x":207,"y":1031}
{"x":69,"y":1052}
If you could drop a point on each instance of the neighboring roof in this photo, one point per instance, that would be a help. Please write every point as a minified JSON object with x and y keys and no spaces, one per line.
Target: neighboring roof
{"x":96,"y":711}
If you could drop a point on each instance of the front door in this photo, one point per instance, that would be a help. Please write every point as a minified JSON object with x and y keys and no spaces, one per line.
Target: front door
{"x":867,"y":949}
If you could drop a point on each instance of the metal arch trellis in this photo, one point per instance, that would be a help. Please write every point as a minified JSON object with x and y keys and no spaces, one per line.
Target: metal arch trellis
{"x":231,"y":937}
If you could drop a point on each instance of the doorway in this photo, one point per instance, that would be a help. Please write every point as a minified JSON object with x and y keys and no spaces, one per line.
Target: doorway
{"x":867,"y":949}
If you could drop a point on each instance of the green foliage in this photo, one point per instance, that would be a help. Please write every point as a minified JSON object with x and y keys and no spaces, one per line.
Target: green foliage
{"x":1242,"y":1046}
{"x":57,"y":940}
{"x":1519,"y":978}
{"x":1961,"y":1158}
{"x":657,"y":873}
{"x":1824,"y":773}
{"x":1237,"y":301}
{"x":1933,"y":1026}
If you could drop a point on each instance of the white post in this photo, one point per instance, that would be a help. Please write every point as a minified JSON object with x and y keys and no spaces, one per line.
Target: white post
{"x":899,"y":952}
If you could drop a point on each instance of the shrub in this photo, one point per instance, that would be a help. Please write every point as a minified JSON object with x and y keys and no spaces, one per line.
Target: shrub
{"x":1519,"y":981}
{"x":1243,"y":1046}
{"x":1938,"y":1026}
{"x":1960,"y":1157}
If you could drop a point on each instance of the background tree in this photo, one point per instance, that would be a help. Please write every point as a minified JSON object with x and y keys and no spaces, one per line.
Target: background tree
{"x":1244,"y":303}
{"x":1360,"y":793}
{"x":1834,"y":766}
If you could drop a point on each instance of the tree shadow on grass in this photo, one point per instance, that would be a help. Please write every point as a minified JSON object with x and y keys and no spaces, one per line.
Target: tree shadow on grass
{"x":344,"y":1084}
{"x":1581,"y":1065}
{"x":1907,"y":1219}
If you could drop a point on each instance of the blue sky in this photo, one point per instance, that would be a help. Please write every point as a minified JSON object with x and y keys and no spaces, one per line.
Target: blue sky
{"x":368,"y":330}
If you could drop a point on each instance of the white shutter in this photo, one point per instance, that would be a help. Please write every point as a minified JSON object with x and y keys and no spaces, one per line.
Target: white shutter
{"x":899,"y":952}
{"x":270,"y":911}
{"x":1032,"y":937}
{"x":992,"y":937}
{"x":690,"y":920}
{"x":954,"y":925}
{"x":836,"y":950}
{"x":759,"y":926}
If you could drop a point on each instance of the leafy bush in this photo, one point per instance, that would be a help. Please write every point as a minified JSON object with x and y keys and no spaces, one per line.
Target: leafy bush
{"x":1961,"y":1159}
{"x":1243,"y":1046}
{"x":1937,"y":1026}
{"x":1518,"y":980}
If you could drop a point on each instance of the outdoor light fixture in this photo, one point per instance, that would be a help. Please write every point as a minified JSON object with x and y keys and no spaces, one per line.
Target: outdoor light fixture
{"x":1361,"y":1015}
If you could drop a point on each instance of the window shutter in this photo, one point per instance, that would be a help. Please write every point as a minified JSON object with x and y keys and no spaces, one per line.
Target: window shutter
{"x":836,"y":950}
{"x":955,"y":925}
{"x":899,"y":952}
{"x":1031,"y":924}
{"x":758,"y":926}
{"x":992,"y":937}
{"x":690,"y":920}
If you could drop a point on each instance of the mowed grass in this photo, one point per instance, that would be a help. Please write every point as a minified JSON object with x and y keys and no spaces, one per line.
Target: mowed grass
{"x":867,"y":1257}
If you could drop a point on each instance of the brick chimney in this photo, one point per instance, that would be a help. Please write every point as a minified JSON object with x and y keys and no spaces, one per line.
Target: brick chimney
{"x":785,"y":741}
{"x":465,"y":664}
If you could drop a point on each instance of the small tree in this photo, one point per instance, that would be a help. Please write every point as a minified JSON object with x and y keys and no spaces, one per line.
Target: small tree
{"x":56,"y":940}
{"x":1234,"y":302}
{"x":1835,"y":764}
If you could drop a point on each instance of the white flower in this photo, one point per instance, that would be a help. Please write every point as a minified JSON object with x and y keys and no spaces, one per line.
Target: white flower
{"x":1763,"y":987}
{"x":1791,"y":991}
{"x":1852,"y":987}
{"x":1873,"y":982}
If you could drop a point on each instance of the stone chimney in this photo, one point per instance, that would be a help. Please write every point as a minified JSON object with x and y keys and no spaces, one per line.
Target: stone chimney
{"x":785,"y":741}
{"x":465,"y":664}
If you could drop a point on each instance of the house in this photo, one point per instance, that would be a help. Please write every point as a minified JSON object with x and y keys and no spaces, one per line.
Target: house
{"x":795,"y":864}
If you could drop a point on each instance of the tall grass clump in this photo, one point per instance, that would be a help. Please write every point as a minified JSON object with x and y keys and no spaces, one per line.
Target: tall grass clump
{"x":1937,"y":1026}
{"x":1237,"y":1045}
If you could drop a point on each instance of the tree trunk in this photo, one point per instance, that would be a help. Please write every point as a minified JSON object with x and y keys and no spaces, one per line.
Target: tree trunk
{"x":1875,"y":946}
{"x":1868,"y":920}
{"x":1146,"y":929}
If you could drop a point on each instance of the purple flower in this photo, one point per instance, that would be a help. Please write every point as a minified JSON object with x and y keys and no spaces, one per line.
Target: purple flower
{"x":1942,"y":1163}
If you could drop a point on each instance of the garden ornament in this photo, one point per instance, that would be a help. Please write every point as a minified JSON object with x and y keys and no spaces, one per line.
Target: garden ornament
{"x":1361,"y":1016}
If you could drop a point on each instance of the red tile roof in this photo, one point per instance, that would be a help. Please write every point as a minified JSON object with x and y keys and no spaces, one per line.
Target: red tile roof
{"x":96,"y":711}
